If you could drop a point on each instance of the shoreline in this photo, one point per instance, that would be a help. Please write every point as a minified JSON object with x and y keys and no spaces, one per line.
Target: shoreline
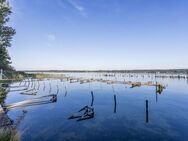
{"x":175,"y":71}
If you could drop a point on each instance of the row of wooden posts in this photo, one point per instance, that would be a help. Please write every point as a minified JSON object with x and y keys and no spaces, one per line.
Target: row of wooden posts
{"x":141,"y":75}
{"x":158,"y":90}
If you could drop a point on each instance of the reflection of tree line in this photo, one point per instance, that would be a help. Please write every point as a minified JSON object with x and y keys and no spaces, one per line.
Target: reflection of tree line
{"x":27,"y":86}
{"x":8,"y":127}
{"x":31,"y":102}
{"x":2,"y":94}
{"x":30,"y":85}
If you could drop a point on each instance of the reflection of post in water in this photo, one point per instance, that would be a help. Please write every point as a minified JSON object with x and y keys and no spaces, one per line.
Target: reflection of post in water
{"x":115,"y":103}
{"x":156,"y":93}
{"x":44,"y":86}
{"x":57,"y":89}
{"x":28,"y":82}
{"x":25,"y":83}
{"x":156,"y":97}
{"x":50,"y":88}
{"x":147,"y":118}
{"x":38,"y":85}
{"x":65,"y":91}
{"x":20,"y":83}
{"x":124,"y":84}
{"x":114,"y":98}
{"x":34,"y":85}
{"x":92,"y":98}
{"x":156,"y":87}
{"x":31,"y":83}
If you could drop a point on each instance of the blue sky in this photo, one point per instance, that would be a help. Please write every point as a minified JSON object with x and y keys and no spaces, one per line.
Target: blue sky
{"x":99,"y":34}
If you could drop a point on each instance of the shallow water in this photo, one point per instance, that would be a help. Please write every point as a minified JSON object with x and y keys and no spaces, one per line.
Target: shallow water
{"x":125,"y":120}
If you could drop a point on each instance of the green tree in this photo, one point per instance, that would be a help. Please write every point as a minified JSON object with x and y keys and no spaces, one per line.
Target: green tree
{"x":6,"y":34}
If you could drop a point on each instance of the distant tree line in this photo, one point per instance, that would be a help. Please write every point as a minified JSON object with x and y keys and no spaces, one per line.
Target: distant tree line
{"x":177,"y":71}
{"x":6,"y":34}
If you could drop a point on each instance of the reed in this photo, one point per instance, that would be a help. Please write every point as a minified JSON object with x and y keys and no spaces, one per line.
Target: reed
{"x":47,"y":75}
{"x":2,"y":94}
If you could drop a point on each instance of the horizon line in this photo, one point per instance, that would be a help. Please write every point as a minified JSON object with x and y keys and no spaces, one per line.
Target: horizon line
{"x":99,"y":70}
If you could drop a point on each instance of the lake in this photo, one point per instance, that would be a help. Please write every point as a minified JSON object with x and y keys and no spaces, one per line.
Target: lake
{"x":113,"y":112}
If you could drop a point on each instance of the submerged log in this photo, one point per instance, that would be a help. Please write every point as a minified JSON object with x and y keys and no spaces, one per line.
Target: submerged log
{"x":85,"y":113}
{"x":136,"y":84}
{"x":160,"y":88}
{"x":29,"y":92}
{"x":20,"y":89}
{"x":31,"y":102}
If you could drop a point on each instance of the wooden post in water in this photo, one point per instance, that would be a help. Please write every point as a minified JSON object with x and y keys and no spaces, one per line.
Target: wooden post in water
{"x":32,"y":83}
{"x":147,"y":118}
{"x":50,"y":88}
{"x":38,"y":85}
{"x":115,"y":104}
{"x":65,"y":91}
{"x":28,"y":83}
{"x":57,"y":90}
{"x":44,"y":86}
{"x":187,"y":77}
{"x":156,"y":93}
{"x":92,"y":98}
{"x":25,"y":82}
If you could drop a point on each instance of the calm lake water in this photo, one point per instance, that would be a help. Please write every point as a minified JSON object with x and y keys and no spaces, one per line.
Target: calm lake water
{"x":120,"y":120}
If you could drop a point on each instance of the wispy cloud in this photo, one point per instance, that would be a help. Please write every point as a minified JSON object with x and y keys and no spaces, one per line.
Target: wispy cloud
{"x":51,"y":37}
{"x":78,"y":7}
